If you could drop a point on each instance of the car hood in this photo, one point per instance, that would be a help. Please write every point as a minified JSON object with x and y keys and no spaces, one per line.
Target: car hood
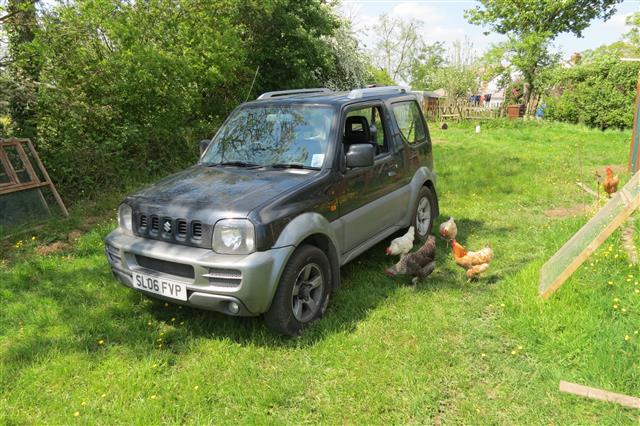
{"x":211,"y":193}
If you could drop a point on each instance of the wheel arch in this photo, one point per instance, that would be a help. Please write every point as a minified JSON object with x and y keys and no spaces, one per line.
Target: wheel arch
{"x":314,"y":229}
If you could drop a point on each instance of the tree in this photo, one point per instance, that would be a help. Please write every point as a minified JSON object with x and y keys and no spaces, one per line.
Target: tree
{"x":22,"y":63}
{"x":551,"y":17}
{"x":531,"y":25}
{"x":429,"y":59}
{"x":397,"y":47}
{"x":459,"y":75}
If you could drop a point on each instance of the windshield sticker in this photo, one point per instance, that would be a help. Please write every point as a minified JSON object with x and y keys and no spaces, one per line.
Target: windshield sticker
{"x":317,"y":160}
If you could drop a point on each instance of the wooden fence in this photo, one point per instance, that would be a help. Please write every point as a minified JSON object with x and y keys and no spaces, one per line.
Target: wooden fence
{"x":441,"y":110}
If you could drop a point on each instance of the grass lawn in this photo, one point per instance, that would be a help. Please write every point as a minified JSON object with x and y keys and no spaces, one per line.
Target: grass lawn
{"x":75,"y":346}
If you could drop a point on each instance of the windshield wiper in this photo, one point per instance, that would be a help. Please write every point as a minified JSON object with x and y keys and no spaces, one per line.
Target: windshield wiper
{"x":291,"y":166}
{"x":233,"y":163}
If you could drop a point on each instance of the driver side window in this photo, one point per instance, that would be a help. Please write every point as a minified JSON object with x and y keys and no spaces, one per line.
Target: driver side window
{"x":365,"y":125}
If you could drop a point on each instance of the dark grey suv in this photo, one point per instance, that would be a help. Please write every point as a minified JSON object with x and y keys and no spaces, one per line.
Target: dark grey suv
{"x":293,"y":186}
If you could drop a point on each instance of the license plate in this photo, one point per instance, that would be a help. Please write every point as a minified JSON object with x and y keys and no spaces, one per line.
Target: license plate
{"x":167,"y":288}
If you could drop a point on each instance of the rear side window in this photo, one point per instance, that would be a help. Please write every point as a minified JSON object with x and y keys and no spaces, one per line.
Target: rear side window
{"x":409,"y":121}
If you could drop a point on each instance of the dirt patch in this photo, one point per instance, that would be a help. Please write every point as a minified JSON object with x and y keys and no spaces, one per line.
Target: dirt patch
{"x":74,"y":235}
{"x":56,"y":247}
{"x":560,"y":212}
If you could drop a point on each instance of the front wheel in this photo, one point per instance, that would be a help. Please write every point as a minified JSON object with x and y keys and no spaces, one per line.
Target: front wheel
{"x":303,"y":292}
{"x":425,"y":213}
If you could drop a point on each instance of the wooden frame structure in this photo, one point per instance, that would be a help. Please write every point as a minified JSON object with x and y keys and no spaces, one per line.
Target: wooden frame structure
{"x":17,"y":183}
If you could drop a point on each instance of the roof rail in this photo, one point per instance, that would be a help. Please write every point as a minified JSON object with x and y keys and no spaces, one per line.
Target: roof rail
{"x":281,"y":93}
{"x":358,"y":93}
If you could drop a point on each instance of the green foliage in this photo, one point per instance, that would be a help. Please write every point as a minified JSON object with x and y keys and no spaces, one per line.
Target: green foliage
{"x":599,"y":93}
{"x":550,"y":17}
{"x":379,"y":77}
{"x":127,"y":89}
{"x":429,"y":59}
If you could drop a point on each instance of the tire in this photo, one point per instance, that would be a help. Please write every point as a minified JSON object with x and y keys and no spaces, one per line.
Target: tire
{"x":297,"y":302}
{"x":424,"y":214}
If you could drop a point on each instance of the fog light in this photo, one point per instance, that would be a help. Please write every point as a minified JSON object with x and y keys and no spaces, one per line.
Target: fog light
{"x":233,"y":307}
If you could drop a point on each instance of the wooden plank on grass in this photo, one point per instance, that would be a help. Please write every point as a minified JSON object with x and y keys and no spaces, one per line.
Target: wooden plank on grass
{"x":587,"y":240}
{"x":586,"y":189}
{"x":599,"y":394}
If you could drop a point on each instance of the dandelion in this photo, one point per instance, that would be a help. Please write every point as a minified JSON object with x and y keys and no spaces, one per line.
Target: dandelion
{"x":173,"y":319}
{"x":483,"y":355}
{"x":161,"y":333}
{"x":623,"y":310}
{"x":103,"y":395}
{"x":149,"y":323}
{"x":628,"y":280}
{"x":181,"y":322}
{"x":101,"y":342}
{"x":627,"y":338}
{"x":502,"y":305}
{"x":519,"y":348}
{"x":616,"y":300}
{"x":83,"y":403}
{"x":513,"y":352}
{"x":630,"y":276}
{"x":76,"y":414}
{"x":33,"y":238}
{"x":196,"y":387}
{"x":153,"y":397}
{"x":615,"y":306}
{"x":610,"y":282}
{"x":154,"y":365}
{"x":637,"y":290}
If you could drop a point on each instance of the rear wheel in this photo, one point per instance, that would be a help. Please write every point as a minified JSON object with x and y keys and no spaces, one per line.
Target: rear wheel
{"x":303,"y":292}
{"x":425,"y":213}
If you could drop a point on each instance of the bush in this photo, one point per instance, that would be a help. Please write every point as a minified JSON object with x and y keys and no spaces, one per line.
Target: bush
{"x":599,"y":94}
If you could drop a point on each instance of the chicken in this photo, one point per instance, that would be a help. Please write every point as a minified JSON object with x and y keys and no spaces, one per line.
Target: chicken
{"x":610,"y":182}
{"x":474,"y":262}
{"x":418,"y":264}
{"x":401,"y":245}
{"x":449,"y":230}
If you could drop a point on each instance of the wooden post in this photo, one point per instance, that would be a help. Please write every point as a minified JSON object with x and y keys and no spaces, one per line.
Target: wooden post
{"x":634,"y":160}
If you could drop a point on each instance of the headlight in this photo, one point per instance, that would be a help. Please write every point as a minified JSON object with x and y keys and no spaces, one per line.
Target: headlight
{"x":234,"y":236}
{"x":125,"y":217}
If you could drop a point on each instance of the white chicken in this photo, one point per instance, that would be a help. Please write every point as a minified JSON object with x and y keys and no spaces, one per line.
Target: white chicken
{"x":449,"y":230}
{"x":401,"y":245}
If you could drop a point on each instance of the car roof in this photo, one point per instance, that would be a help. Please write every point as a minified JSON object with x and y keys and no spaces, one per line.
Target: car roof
{"x":328,"y":97}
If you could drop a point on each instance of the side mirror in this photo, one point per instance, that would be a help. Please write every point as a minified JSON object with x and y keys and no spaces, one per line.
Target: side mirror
{"x":204,"y":144}
{"x":360,"y":155}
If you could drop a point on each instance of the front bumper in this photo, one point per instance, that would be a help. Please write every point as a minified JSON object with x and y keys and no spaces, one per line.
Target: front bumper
{"x":252,"y":289}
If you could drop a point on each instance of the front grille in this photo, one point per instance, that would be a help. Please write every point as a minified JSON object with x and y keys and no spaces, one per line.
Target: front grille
{"x":173,"y":229}
{"x":166,"y":267}
{"x":224,"y":277}
{"x":196,"y":229}
{"x":182,"y":227}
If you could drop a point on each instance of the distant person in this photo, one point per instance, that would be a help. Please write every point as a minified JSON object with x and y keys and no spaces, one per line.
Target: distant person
{"x":540,"y":111}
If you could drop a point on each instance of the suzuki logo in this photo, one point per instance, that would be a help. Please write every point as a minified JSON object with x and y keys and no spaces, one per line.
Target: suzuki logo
{"x":167,"y":226}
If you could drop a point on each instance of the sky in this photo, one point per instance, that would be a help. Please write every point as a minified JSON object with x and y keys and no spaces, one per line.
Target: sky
{"x":444,"y":21}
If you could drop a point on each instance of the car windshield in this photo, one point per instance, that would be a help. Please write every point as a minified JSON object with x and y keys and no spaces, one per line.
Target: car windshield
{"x":280,"y":136}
